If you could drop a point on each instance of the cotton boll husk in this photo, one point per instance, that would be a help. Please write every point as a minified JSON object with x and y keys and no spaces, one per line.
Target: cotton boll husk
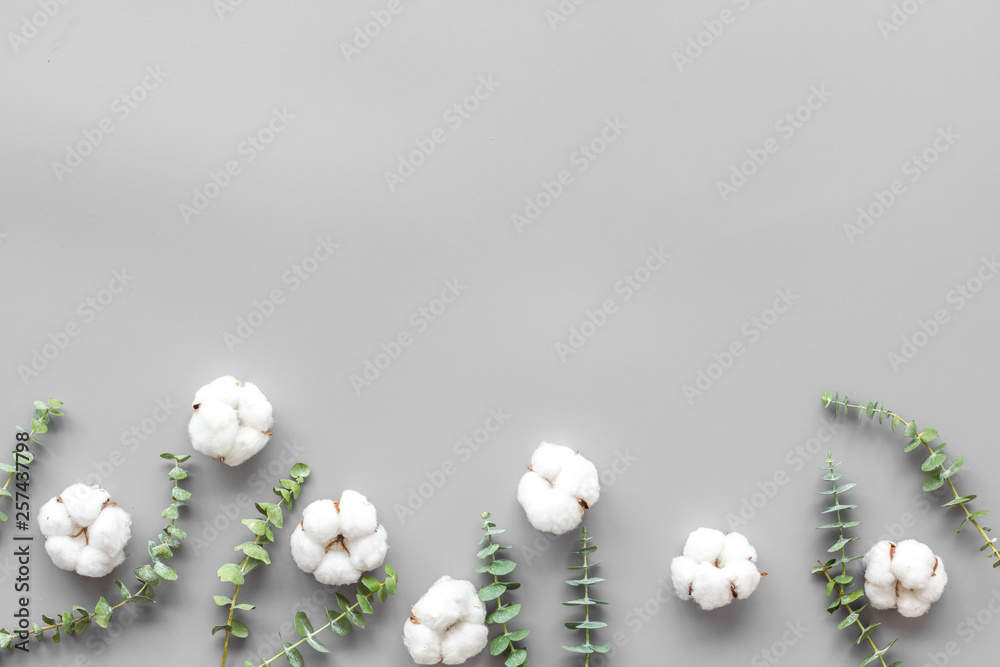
{"x":878,"y":566}
{"x":704,"y":545}
{"x":95,"y":562}
{"x":357,"y":515}
{"x":913,"y":563}
{"x":579,"y":479}
{"x":64,"y":550}
{"x":909,"y":603}
{"x":881,"y":596}
{"x":306,"y":553}
{"x":54,"y":519}
{"x":213,"y":428}
{"x":255,"y":410}
{"x":321,"y":521}
{"x":248,"y":442}
{"x":935,"y":587}
{"x":548,"y":460}
{"x":710,"y":587}
{"x":84,"y":502}
{"x":736,"y":547}
{"x":682,"y":576}
{"x":548,"y":509}
{"x":225,"y":390}
{"x":335,"y":569}
{"x":744,"y":576}
{"x":368,"y":552}
{"x":423,"y":643}
{"x":463,"y":641}
{"x":110,"y":531}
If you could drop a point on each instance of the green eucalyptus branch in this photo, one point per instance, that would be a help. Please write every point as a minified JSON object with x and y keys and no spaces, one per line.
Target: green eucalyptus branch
{"x":77,"y":619}
{"x":368,"y":589}
{"x":935,"y":465}
{"x":40,"y":421}
{"x":842,"y":583}
{"x":586,"y":602}
{"x":255,"y":553}
{"x":497,"y":567}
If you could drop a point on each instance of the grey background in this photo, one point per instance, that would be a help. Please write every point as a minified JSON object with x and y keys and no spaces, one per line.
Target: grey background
{"x":620,"y":397}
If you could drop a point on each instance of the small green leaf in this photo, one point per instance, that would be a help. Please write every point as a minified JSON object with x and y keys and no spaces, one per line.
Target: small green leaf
{"x":365,"y":605}
{"x":486,"y":552}
{"x":960,"y":500}
{"x":231,"y":572}
{"x":240,"y":630}
{"x":124,"y":590}
{"x":501,"y":567}
{"x":928,"y":434}
{"x":849,"y":619}
{"x":504,"y":614}
{"x":974,"y":515}
{"x":302,"y":624}
{"x":300,"y":470}
{"x":147,"y":575}
{"x":170,"y":513}
{"x":222,"y":600}
{"x":254,"y":551}
{"x":338,"y":623}
{"x":180,"y":494}
{"x":499,"y":644}
{"x":177,"y":473}
{"x":934,"y":480}
{"x":953,"y":468}
{"x":932,"y":461}
{"x":102,"y":613}
{"x":492,"y":592}
{"x":165,"y":571}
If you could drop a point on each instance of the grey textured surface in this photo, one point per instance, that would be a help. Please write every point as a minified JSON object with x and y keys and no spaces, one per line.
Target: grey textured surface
{"x":331,"y":125}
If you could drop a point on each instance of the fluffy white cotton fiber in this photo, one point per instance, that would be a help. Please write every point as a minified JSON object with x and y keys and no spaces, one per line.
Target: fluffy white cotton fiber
{"x":447,"y":624}
{"x":715,"y":568}
{"x":559,"y":485}
{"x":84,"y":531}
{"x":906,"y":576}
{"x":231,"y":420}
{"x":336,"y":541}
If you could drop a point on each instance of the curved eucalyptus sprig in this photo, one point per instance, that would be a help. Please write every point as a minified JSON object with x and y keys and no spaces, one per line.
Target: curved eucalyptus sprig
{"x":255,"y":553}
{"x":498,"y":567}
{"x":77,"y":619}
{"x":935,"y":465}
{"x":23,"y":457}
{"x":842,"y":583}
{"x":586,"y":601}
{"x":368,"y":589}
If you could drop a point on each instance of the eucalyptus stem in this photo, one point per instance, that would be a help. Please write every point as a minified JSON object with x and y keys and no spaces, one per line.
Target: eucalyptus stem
{"x":586,"y":601}
{"x":934,"y":465}
{"x":40,"y":421}
{"x":497,"y":567}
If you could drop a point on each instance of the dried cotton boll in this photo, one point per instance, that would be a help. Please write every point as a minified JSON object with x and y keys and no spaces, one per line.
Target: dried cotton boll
{"x":231,"y":420}
{"x":84,"y":531}
{"x":715,"y":569}
{"x":447,"y":624}
{"x":559,"y":485}
{"x":337,"y":541}
{"x":906,"y":576}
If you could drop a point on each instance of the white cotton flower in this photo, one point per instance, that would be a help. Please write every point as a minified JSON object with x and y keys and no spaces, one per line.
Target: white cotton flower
{"x":84,"y":531}
{"x":447,"y":624}
{"x":715,"y":568}
{"x":337,"y":541}
{"x":905,"y":576}
{"x":231,"y":420}
{"x":559,"y":485}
